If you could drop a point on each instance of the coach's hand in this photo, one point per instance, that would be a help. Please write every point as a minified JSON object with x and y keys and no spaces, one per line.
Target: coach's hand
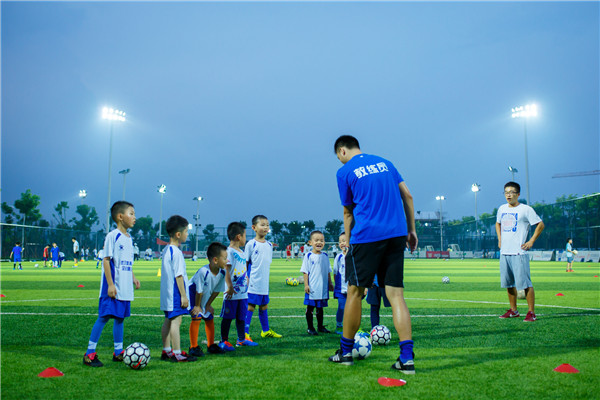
{"x":412,"y":241}
{"x":527,"y":245}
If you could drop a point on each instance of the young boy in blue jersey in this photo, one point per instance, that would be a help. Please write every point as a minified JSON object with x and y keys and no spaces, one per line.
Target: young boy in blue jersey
{"x":205,"y":286}
{"x":340,"y":289}
{"x":317,"y":282}
{"x":374,"y":296}
{"x":173,"y":290}
{"x":259,"y":253}
{"x":116,"y":284}
{"x":235,"y":304}
{"x":54,"y":252}
{"x":16,"y":251}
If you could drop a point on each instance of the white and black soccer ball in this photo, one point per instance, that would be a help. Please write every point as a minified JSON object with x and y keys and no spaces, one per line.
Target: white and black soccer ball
{"x":362,"y":347}
{"x":445,"y":280}
{"x":137,"y":356}
{"x":380,"y":335}
{"x":521,"y":294}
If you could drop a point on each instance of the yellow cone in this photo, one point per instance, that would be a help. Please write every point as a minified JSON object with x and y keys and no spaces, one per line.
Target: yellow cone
{"x":158,"y":274}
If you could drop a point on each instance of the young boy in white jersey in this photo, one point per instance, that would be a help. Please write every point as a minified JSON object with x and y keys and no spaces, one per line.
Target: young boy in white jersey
{"x":76,"y":255}
{"x":340,"y":289}
{"x":235,"y":303}
{"x":174,"y":290}
{"x":317,"y":282}
{"x":512,"y":226}
{"x":205,"y":286}
{"x":259,"y":253}
{"x":116,"y":283}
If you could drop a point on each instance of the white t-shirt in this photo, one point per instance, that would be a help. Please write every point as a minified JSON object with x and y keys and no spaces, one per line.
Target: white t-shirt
{"x":76,"y":246}
{"x":236,"y":261}
{"x":173,"y":265}
{"x":119,"y":247}
{"x":207,"y":284}
{"x":259,"y":256}
{"x":317,"y":267}
{"x":339,"y":267}
{"x":296,"y":249}
{"x":514,"y":227}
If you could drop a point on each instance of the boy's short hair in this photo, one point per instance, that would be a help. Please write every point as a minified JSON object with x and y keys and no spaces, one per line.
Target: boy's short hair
{"x":342,"y":234}
{"x":176,"y":223}
{"x":119,"y":208}
{"x":347,"y":141}
{"x":73,"y":238}
{"x":214,"y":250}
{"x":234,"y":229}
{"x":17,"y":243}
{"x":568,"y":239}
{"x":514,"y":185}
{"x":258,"y":218}
{"x":315,"y":233}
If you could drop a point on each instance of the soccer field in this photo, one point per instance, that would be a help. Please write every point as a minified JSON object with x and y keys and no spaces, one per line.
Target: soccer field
{"x":463,"y":350}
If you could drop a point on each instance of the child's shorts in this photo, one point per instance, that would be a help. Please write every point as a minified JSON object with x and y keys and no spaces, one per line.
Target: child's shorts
{"x":234,"y":309}
{"x":258,"y":299}
{"x":109,"y":307}
{"x":315,"y":303}
{"x":374,"y":296}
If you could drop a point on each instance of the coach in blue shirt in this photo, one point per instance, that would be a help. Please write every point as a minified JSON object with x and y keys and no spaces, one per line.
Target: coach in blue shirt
{"x":379,"y":223}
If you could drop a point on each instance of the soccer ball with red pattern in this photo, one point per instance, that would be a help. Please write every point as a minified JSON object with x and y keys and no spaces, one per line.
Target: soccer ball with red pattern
{"x":380,"y":335}
{"x":137,"y":356}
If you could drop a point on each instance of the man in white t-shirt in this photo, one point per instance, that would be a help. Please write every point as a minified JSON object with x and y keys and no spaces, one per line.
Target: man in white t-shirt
{"x":512,"y":227}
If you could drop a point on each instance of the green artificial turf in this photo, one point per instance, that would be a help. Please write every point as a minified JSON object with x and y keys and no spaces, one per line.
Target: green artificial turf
{"x":463,"y":350}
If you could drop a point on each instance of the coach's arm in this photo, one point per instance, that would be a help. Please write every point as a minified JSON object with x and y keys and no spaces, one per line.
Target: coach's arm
{"x":348,"y":221}
{"x":409,"y":211}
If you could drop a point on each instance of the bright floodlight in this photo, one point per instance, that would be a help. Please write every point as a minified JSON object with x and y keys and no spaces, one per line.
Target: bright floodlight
{"x":199,"y":198}
{"x":440,"y":198}
{"x":125,"y":171}
{"x":530,"y":110}
{"x":475,"y":187}
{"x":512,"y":169}
{"x":162,"y":189}
{"x":190,"y":227}
{"x":113,"y":115}
{"x":82,"y":194}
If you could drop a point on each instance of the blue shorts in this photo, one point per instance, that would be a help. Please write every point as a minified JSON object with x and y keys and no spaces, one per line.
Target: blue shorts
{"x":177,"y":309}
{"x":234,"y":309}
{"x":315,"y":303}
{"x":374,"y":296}
{"x":258,"y":299}
{"x":176,"y":312}
{"x":514,"y":271}
{"x":569,"y":259}
{"x":108,"y":307}
{"x":17,"y":259}
{"x":342,"y":300}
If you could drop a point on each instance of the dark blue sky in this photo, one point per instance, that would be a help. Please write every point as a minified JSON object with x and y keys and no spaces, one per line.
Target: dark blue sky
{"x":241,"y":102}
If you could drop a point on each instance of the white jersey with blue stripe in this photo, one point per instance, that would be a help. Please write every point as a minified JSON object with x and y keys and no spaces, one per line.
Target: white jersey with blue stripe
{"x":207,"y":284}
{"x":236,"y":262}
{"x":318,"y":268}
{"x":339,"y":268}
{"x":173,"y":265}
{"x":259,"y":256}
{"x":119,"y":247}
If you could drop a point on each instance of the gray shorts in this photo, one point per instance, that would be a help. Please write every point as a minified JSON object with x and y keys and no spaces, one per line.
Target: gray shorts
{"x":514,"y":271}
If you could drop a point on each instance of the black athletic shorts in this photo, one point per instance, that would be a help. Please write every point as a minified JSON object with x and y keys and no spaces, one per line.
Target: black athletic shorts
{"x":384,"y":258}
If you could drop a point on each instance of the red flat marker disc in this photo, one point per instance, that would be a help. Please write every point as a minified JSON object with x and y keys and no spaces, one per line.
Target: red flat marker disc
{"x":559,"y":294}
{"x":383,"y":381}
{"x":50,"y":373}
{"x":2,"y":295}
{"x":80,"y":286}
{"x":566,"y":368}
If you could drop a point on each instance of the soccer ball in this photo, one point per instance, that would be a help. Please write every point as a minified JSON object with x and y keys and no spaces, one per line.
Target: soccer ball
{"x":362,"y":346}
{"x":575,"y":252}
{"x":520,"y":294}
{"x":445,"y":280}
{"x":301,"y":279}
{"x":288,"y":280}
{"x":381,"y":335}
{"x":137,"y":356}
{"x":294,"y":282}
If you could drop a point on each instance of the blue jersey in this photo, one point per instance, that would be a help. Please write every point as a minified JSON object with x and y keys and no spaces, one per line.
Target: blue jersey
{"x":370,"y":184}
{"x":54,"y":251}
{"x":17,"y":253}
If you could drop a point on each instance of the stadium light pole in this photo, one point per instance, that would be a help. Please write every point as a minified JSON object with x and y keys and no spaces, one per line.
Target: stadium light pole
{"x":112,"y":115}
{"x":162,"y":189}
{"x":530,"y":110}
{"x":197,"y":217}
{"x":82,"y":195}
{"x":440,"y":198}
{"x":476,"y":187}
{"x":512,"y":170}
{"x":124,"y":172}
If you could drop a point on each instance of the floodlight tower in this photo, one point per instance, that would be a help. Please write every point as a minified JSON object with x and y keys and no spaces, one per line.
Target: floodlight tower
{"x":82,"y":195}
{"x":512,"y":170}
{"x":440,"y":198}
{"x":124,"y":172}
{"x":162,"y":189}
{"x":112,"y":115}
{"x":197,"y":217}
{"x":476,"y":187}
{"x":530,"y":110}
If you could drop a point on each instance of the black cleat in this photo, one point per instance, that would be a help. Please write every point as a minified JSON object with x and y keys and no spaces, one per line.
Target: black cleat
{"x":406,"y":368}
{"x":118,"y":358}
{"x":322,"y":329}
{"x":312,"y":332}
{"x":340,"y":358}
{"x":92,"y":360}
{"x":215,"y":349}
{"x":196,"y":351}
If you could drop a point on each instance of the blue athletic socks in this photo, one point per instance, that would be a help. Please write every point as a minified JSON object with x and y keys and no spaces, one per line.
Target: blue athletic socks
{"x":95,"y":335}
{"x":118,"y":335}
{"x":248,"y":320}
{"x":339,"y":317}
{"x":347,"y":345}
{"x":406,"y":350}
{"x":263,"y":316}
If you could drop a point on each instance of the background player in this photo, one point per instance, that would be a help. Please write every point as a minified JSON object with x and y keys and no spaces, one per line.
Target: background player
{"x":259,"y":253}
{"x":173,"y":290}
{"x":340,"y":289}
{"x":16,"y":252}
{"x":317,"y":282}
{"x":76,"y":255}
{"x":569,"y":251}
{"x":116,"y":283}
{"x":55,"y":252}
{"x":205,"y":286}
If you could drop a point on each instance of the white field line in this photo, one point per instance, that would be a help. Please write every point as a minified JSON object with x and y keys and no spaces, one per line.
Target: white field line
{"x":300,"y":298}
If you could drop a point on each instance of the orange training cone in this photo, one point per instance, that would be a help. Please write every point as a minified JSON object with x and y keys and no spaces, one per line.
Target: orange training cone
{"x":50,"y":373}
{"x":566,"y":368}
